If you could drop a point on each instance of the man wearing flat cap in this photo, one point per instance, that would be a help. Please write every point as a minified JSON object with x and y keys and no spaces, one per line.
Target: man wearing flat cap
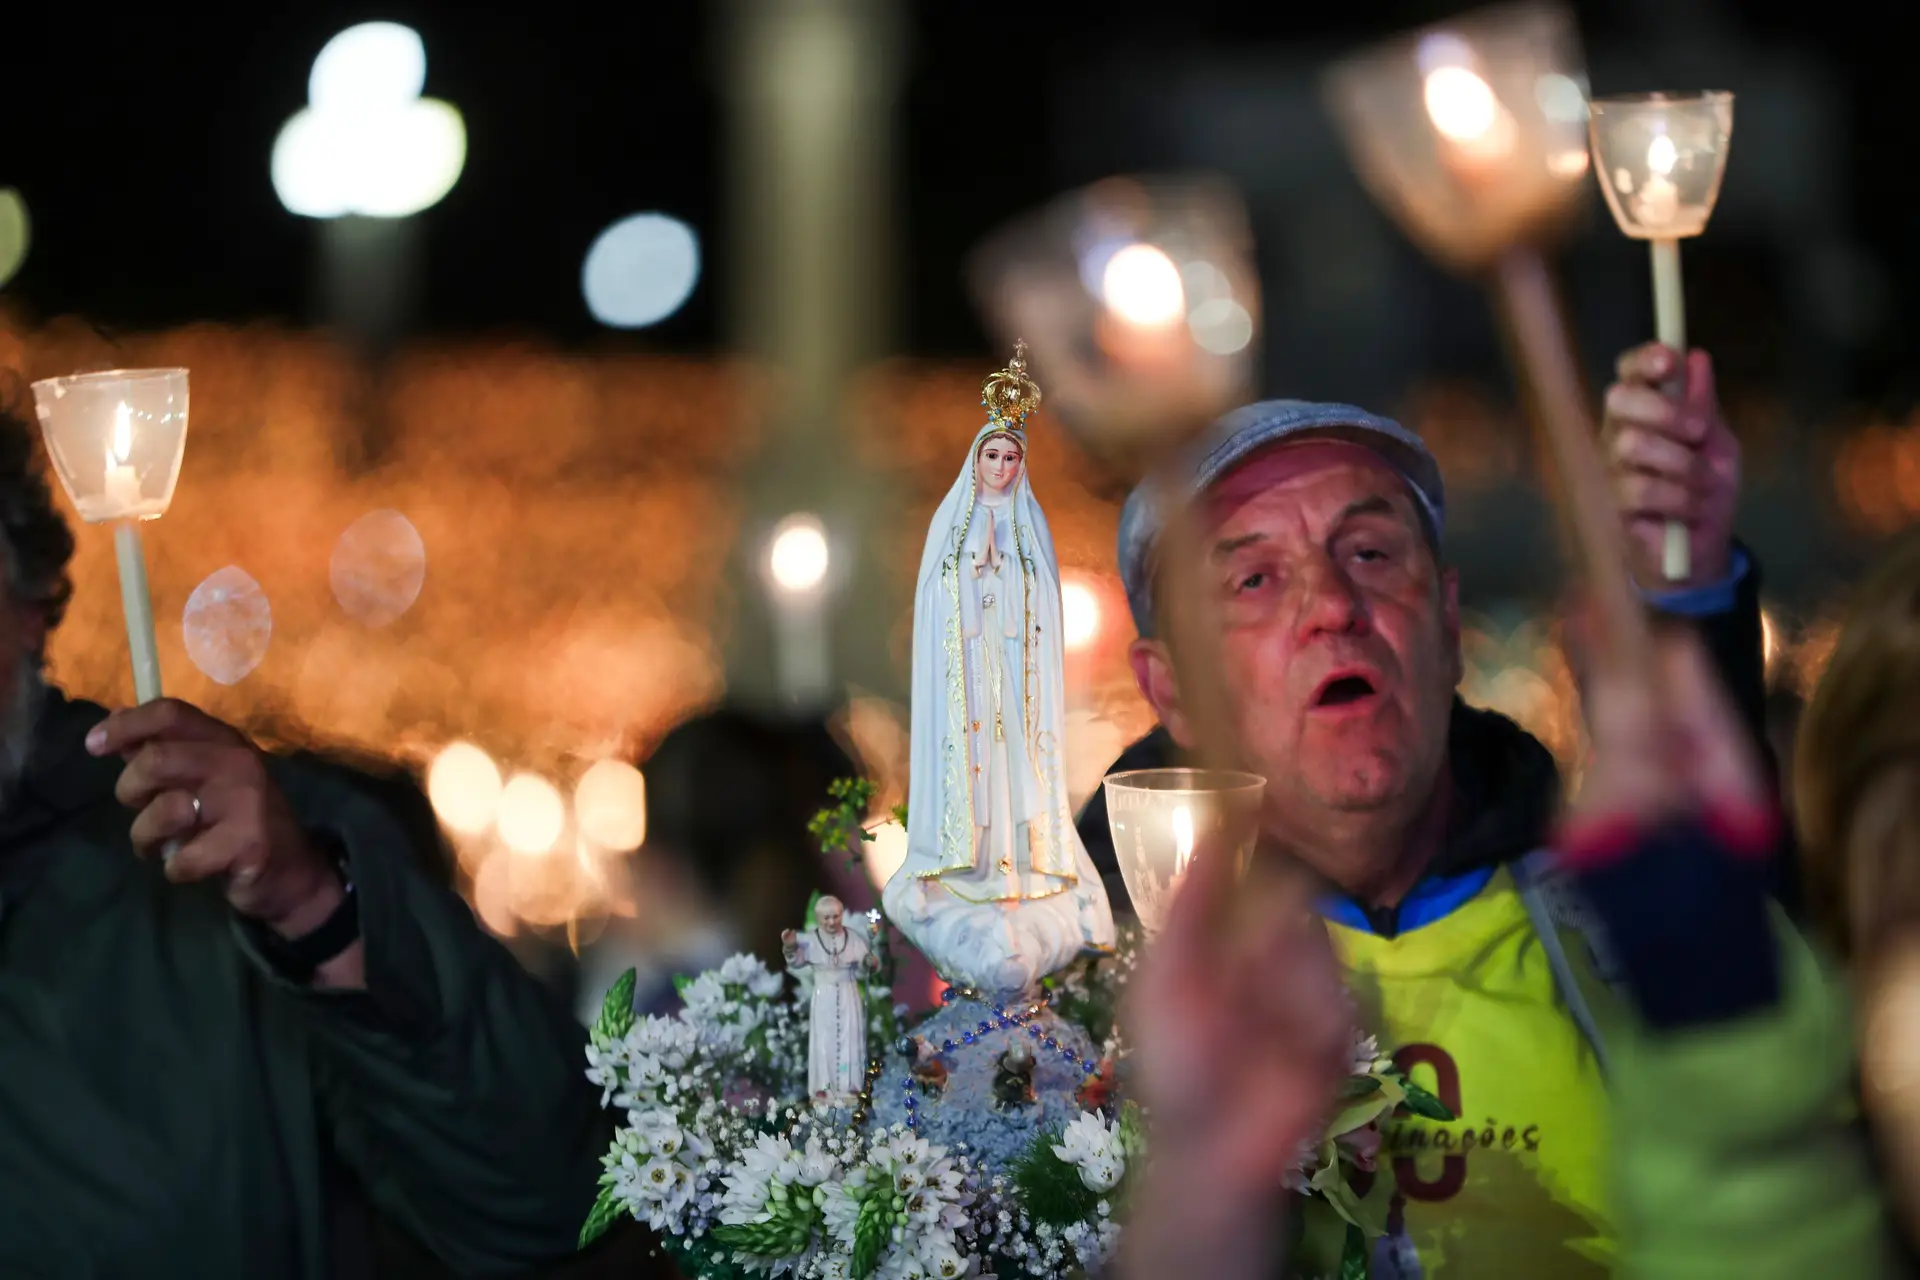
{"x":1321,"y":529}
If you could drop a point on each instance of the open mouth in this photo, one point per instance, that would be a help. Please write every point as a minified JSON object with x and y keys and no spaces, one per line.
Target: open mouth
{"x":1342,"y":691}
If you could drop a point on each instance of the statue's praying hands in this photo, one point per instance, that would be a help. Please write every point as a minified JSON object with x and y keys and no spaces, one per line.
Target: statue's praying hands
{"x":988,"y":558}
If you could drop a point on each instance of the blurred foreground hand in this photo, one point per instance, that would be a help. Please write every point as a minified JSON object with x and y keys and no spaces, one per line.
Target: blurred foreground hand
{"x":1243,"y":1031}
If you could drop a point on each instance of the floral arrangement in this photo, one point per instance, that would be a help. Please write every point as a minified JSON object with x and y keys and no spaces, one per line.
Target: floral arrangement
{"x":740,"y":1174}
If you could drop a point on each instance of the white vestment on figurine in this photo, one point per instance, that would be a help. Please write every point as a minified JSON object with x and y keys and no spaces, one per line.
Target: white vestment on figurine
{"x":837,"y":1015}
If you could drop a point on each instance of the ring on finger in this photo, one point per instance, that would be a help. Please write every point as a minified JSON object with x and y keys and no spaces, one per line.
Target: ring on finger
{"x":173,"y":846}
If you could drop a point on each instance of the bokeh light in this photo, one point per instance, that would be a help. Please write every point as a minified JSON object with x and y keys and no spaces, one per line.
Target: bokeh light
{"x":1460,"y":103}
{"x":640,"y":270}
{"x":798,"y":556}
{"x":378,"y":566}
{"x":367,"y":143}
{"x":886,"y":852}
{"x":532,"y":814}
{"x":1079,"y":615}
{"x":463,"y":784}
{"x":16,"y":233}
{"x":375,"y":66}
{"x":227,"y":625}
{"x":610,"y":805}
{"x":1142,"y":286}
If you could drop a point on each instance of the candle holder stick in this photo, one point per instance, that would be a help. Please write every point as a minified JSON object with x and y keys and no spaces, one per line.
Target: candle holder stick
{"x":1670,"y":327}
{"x":136,"y":602}
{"x":1532,"y":307}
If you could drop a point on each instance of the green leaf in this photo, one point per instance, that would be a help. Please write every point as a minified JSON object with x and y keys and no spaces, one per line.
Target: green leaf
{"x":605,"y":1212}
{"x":1356,"y":1115}
{"x":900,"y":813}
{"x":1368,"y":1214}
{"x":1424,"y":1104}
{"x":1355,"y":1257}
{"x":616,"y":1010}
{"x":1133,"y":1130}
{"x":1322,"y":1239}
{"x":870,"y":1234}
{"x":1358,"y":1087}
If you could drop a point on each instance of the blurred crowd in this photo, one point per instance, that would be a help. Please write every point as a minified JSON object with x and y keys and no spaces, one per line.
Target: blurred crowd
{"x":1668,"y":1009}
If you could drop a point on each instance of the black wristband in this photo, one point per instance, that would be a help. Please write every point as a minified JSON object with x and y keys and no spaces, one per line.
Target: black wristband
{"x":298,"y":958}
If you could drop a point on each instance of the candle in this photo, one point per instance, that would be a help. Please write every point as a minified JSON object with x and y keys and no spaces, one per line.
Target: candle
{"x":122,"y":491}
{"x":1182,"y":840}
{"x":1658,"y":204}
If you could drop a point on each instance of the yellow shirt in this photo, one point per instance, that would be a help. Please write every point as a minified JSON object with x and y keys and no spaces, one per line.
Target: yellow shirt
{"x":1516,"y":1186}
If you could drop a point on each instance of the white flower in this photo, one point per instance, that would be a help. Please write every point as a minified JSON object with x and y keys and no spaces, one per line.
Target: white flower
{"x":656,"y":1179}
{"x":669,"y":1040}
{"x":705,"y":997}
{"x":1367,"y":1056}
{"x":743,"y":970}
{"x":840,"y":1205}
{"x":1092,"y":1145}
{"x":815,"y":1164}
{"x":1102,"y":1172}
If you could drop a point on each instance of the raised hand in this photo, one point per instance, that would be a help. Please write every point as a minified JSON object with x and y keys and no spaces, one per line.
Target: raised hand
{"x":1671,"y":457}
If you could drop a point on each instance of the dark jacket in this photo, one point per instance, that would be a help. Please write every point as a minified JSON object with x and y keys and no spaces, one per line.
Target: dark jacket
{"x":170,"y":1103}
{"x":1506,"y":791}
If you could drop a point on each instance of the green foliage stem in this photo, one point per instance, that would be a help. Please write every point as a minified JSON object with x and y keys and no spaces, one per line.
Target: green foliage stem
{"x":616,"y":1009}
{"x":605,"y":1212}
{"x":841,"y":826}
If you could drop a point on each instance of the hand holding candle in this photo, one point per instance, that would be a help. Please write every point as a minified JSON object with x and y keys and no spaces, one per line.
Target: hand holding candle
{"x":1660,"y":158}
{"x":116,"y":440}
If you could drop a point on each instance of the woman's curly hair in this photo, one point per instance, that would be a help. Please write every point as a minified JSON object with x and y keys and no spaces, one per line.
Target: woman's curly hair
{"x":38,"y":545}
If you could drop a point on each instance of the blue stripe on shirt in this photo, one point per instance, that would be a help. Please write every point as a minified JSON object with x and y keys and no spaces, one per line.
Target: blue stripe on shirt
{"x":1432,"y":899}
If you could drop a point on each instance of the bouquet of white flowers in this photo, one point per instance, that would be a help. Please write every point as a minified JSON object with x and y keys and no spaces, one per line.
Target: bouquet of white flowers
{"x":741,"y":1174}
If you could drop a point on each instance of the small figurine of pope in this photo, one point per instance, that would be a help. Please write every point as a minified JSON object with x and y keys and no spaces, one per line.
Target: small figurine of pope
{"x":837,"y":1019}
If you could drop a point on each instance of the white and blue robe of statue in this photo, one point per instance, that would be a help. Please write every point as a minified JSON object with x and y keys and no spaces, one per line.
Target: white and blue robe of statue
{"x":996,"y":890}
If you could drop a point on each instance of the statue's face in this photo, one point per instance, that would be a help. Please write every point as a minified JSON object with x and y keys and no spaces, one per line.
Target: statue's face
{"x":1000,"y":462}
{"x":830,"y":916}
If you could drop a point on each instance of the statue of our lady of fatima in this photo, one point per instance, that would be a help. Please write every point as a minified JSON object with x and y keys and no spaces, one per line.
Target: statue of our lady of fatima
{"x":996,"y":890}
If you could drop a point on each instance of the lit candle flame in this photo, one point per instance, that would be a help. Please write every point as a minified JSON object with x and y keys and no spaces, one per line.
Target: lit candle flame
{"x":1461,"y":104}
{"x":1182,"y":839}
{"x":1662,"y":155}
{"x":1143,"y":287}
{"x":122,"y":433}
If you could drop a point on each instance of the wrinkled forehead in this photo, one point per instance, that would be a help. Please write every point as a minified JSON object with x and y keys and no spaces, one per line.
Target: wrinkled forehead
{"x":1294,"y":465}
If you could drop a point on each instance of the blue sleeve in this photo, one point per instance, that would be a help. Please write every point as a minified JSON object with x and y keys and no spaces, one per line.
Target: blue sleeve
{"x":1715,"y":597}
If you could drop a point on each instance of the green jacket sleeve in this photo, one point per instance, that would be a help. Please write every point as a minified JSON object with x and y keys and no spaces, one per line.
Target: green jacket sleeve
{"x":1738,"y":1148}
{"x":453,"y":1086}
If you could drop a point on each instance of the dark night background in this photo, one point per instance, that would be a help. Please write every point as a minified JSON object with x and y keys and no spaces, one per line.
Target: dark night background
{"x":140,"y":143}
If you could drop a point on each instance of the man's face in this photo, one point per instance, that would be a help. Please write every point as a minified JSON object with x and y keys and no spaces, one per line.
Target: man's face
{"x":829,"y":916}
{"x":1340,"y":631}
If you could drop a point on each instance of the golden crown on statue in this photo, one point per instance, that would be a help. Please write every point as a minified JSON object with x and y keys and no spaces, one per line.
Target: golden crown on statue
{"x":1010,"y":395}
